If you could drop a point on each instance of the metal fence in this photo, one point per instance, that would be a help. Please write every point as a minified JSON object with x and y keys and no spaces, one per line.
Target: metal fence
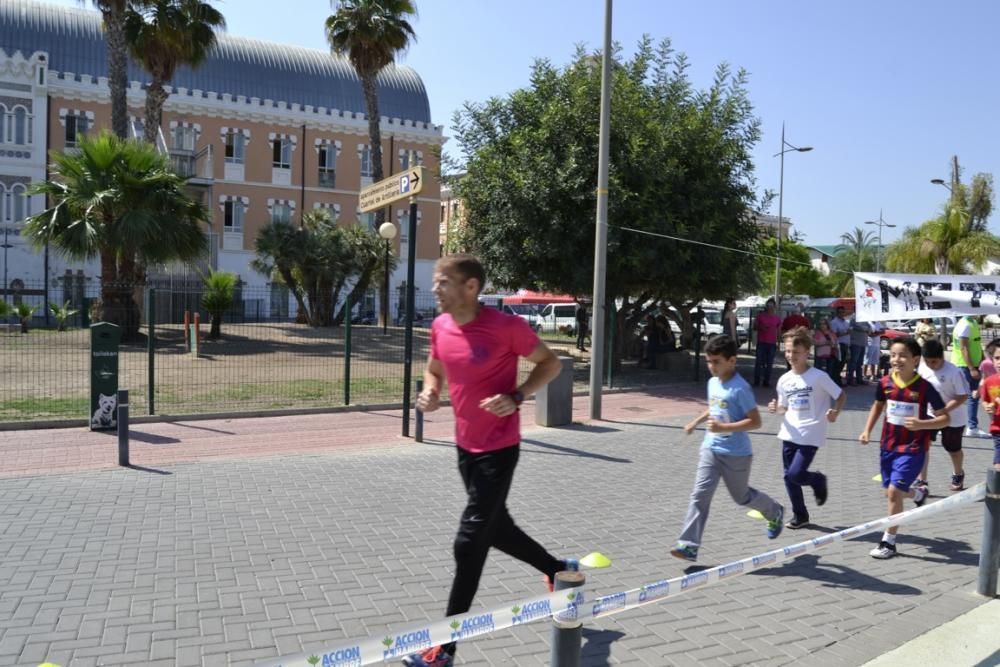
{"x":267,"y":357}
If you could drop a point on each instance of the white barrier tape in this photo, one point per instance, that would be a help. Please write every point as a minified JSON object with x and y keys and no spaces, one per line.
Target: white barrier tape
{"x":570,"y":605}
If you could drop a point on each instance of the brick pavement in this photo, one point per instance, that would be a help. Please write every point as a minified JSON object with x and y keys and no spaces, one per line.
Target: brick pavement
{"x":240,"y":540}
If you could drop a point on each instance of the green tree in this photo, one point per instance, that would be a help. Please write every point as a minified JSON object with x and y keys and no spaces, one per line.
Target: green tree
{"x":62,"y":314}
{"x":681,"y":183}
{"x":24,"y":313}
{"x":371,"y":33}
{"x":220,"y":289}
{"x":858,"y":246}
{"x":314,"y":261}
{"x":113,"y":18}
{"x":164,"y":34}
{"x":947,"y":244}
{"x":798,"y":276}
{"x":119,"y":201}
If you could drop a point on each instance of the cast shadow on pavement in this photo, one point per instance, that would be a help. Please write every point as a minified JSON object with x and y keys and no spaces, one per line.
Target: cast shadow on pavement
{"x":834,"y":575}
{"x":203,"y":428}
{"x":151,"y":439}
{"x":559,"y":450}
{"x":953,"y":552}
{"x":597,"y":649}
{"x":145,"y":469}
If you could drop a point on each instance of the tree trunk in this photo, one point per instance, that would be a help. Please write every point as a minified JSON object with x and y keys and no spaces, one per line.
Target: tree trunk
{"x":114,"y":30}
{"x":374,"y":134}
{"x":360,"y":287}
{"x":215,"y":331}
{"x":155,"y":97}
{"x":293,"y":287}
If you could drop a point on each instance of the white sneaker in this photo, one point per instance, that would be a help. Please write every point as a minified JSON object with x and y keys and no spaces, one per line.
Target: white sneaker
{"x":975,"y":433}
{"x":883,"y":551}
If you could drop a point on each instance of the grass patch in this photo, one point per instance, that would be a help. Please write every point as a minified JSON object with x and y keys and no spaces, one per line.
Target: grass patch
{"x":23,"y":409}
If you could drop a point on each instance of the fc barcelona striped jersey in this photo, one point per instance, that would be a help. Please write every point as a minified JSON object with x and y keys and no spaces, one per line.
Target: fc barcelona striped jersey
{"x":904,"y":400}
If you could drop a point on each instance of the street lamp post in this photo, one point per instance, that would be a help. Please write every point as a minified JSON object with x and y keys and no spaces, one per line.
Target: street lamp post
{"x":785,"y":148}
{"x":5,"y":248}
{"x":388,"y":232}
{"x":940,"y":181}
{"x":881,"y":223}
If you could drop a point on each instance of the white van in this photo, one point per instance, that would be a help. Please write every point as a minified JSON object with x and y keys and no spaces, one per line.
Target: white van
{"x":558,"y":317}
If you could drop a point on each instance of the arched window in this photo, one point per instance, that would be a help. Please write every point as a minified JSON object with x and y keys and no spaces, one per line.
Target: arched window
{"x":4,"y":125}
{"x":22,"y":125}
{"x":20,"y":203}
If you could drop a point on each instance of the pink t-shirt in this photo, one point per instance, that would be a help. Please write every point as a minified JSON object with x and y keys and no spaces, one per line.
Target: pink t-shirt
{"x":480,"y":360}
{"x":767,"y":328}
{"x":987,"y":369}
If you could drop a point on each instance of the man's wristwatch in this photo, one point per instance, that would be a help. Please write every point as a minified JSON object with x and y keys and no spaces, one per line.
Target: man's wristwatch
{"x":517,"y":397}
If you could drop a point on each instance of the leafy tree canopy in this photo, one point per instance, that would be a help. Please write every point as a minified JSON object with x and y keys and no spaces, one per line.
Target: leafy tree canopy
{"x":680,"y":167}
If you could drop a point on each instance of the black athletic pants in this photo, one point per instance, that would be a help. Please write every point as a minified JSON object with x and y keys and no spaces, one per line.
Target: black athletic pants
{"x":486,"y":523}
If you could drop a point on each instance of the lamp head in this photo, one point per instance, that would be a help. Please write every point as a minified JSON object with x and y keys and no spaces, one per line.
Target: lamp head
{"x":387,"y":231}
{"x":937,"y":181}
{"x":804,"y":149}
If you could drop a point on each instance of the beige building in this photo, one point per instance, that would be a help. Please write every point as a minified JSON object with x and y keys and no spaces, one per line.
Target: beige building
{"x":267,"y":131}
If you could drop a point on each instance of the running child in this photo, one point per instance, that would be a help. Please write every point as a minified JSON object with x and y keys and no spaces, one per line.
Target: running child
{"x":808,"y":398}
{"x":950,"y":382}
{"x":989,"y":392}
{"x":905,"y":397}
{"x":725,"y":451}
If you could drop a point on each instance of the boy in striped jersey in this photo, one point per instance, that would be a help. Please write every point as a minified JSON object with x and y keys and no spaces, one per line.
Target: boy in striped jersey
{"x":905,"y":397}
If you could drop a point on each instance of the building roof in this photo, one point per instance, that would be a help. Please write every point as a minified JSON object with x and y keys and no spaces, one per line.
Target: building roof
{"x":74,"y":41}
{"x":828,"y":250}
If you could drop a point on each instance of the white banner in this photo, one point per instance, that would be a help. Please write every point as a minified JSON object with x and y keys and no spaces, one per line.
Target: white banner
{"x":904,"y":296}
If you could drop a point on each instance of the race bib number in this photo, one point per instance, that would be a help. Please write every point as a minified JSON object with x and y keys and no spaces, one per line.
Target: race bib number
{"x":800,"y":402}
{"x":899,"y":411}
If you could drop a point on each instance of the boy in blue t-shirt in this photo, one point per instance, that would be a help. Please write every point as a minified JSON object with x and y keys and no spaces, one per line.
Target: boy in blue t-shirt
{"x":725,"y":452}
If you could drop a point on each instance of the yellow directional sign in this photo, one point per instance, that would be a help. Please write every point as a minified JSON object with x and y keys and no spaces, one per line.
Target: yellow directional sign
{"x":399,"y":186}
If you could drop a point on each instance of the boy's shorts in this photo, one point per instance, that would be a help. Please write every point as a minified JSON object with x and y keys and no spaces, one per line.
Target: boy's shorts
{"x":951,"y":438}
{"x":901,"y":469}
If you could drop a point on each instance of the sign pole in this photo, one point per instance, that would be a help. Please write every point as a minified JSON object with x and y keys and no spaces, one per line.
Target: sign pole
{"x":411,"y":257}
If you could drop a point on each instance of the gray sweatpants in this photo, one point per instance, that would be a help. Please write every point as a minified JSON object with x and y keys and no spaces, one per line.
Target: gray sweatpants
{"x":735,"y":472}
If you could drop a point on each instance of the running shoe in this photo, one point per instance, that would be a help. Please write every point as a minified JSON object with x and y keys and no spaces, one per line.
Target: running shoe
{"x":957,"y":482}
{"x":821,"y":490}
{"x":432,"y":657}
{"x":570,"y":564}
{"x":775,"y":525}
{"x":797,"y":523}
{"x":883,"y":551}
{"x":920,"y":494}
{"x":685,"y":552}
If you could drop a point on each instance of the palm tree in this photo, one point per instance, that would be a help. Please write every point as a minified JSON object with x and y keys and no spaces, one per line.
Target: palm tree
{"x":118,"y":200}
{"x":164,"y":34}
{"x":113,"y":15}
{"x":220,"y":288}
{"x":945,"y":244}
{"x":62,"y":314}
{"x":371,"y":33}
{"x":857,"y":245}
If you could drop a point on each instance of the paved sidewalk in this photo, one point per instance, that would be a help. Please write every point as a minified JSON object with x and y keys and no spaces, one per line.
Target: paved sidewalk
{"x":241,"y":540}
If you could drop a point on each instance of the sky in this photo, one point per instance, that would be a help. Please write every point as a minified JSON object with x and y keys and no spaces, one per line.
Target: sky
{"x":885,"y":92}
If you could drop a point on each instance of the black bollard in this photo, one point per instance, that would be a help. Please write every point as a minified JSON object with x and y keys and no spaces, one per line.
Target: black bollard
{"x":123,"y":427}
{"x":419,"y":433}
{"x":567,"y":636}
{"x":989,"y":554}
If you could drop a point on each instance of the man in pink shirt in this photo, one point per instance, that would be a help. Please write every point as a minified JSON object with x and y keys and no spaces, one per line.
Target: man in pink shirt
{"x":477,"y":349}
{"x":768,"y":324}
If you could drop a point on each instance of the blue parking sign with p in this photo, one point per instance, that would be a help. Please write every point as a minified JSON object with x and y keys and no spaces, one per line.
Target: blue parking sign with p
{"x":404,"y":183}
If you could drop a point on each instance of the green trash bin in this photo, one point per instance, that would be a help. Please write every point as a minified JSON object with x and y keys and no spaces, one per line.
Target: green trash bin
{"x":104,"y":340}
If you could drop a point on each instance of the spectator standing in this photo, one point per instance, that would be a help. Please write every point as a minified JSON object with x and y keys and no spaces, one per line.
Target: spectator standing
{"x":581,"y":325}
{"x":873,"y":355}
{"x":967,"y":354}
{"x":730,"y":323}
{"x":768,"y":324}
{"x":859,"y":335}
{"x":826,"y":350}
{"x":841,"y":327}
{"x":796,"y":319}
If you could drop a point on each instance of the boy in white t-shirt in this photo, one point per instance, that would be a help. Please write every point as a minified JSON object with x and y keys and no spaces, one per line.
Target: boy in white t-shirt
{"x":808,"y":398}
{"x":950,"y":382}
